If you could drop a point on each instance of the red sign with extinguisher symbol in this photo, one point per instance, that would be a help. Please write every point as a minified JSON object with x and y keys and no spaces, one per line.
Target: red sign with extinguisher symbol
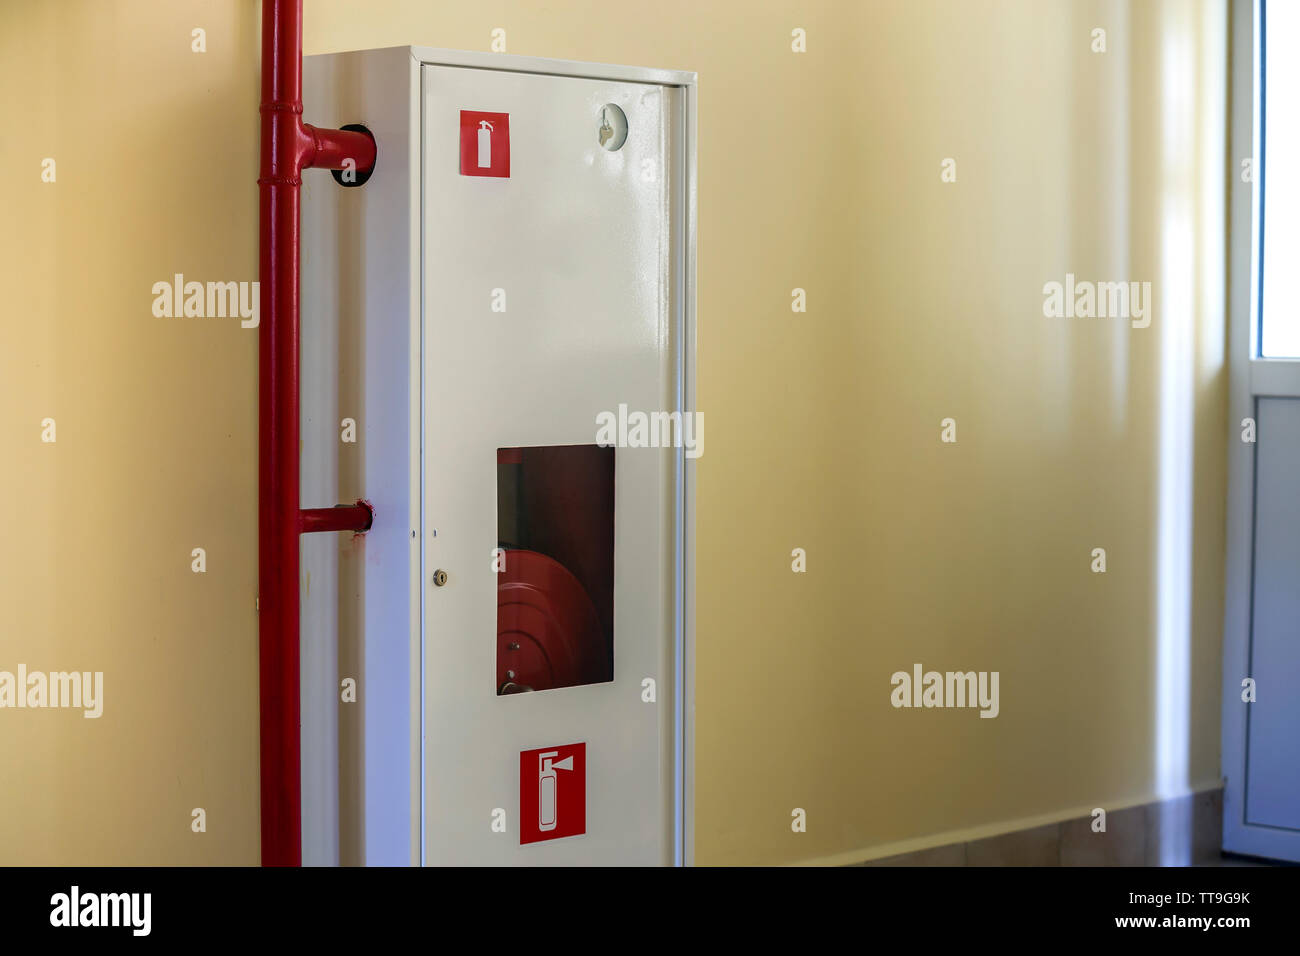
{"x":552,"y":793}
{"x":484,"y":144}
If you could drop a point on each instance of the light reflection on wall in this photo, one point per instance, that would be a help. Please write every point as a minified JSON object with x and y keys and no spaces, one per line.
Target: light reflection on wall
{"x":1174,"y":321}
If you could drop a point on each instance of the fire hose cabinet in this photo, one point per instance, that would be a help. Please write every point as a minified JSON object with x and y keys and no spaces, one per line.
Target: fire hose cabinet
{"x":498,"y":353}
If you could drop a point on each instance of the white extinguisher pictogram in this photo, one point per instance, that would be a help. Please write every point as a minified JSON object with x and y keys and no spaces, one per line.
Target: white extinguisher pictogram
{"x":547,"y":808}
{"x":484,"y":144}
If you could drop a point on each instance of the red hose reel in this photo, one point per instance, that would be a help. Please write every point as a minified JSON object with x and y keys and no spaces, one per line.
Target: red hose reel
{"x":548,"y":632}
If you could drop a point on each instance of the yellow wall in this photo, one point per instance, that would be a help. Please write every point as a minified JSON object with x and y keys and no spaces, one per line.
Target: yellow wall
{"x":817,"y":170}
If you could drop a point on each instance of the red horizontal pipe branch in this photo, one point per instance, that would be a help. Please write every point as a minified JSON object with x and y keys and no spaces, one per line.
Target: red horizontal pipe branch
{"x":357,"y":517}
{"x":333,"y":148}
{"x":288,"y":147}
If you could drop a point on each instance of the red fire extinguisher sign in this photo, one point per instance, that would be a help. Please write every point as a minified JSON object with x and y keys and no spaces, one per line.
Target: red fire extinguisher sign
{"x":552,"y":793}
{"x":484,"y":144}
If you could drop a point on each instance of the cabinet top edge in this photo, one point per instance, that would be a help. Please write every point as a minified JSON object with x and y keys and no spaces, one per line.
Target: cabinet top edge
{"x":509,"y":62}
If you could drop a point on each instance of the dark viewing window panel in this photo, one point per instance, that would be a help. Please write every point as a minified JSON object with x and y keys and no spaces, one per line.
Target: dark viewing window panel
{"x":555,"y":567}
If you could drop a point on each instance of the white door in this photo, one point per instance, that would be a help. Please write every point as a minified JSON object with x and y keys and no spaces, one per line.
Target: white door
{"x":550,"y":296}
{"x":1261,"y":705}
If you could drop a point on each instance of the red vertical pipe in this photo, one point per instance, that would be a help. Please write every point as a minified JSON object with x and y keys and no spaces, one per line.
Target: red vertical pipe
{"x":278,"y":418}
{"x":288,"y":147}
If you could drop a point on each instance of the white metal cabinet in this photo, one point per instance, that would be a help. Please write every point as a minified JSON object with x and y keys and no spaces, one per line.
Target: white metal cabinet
{"x":462,"y":314}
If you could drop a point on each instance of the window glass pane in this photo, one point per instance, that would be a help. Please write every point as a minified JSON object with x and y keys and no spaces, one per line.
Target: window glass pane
{"x":1279,"y":304}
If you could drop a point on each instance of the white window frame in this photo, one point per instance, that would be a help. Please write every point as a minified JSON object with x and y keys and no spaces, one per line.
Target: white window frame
{"x":1251,"y":377}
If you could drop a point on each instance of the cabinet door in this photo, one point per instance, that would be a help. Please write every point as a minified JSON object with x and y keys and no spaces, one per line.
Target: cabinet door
{"x":548,"y":300}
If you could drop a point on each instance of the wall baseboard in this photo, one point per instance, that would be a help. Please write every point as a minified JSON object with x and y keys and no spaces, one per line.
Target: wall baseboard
{"x":1180,"y":831}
